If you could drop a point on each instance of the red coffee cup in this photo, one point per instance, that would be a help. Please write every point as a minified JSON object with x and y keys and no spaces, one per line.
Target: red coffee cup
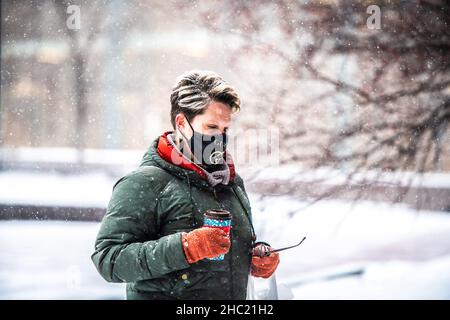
{"x":218,"y":218}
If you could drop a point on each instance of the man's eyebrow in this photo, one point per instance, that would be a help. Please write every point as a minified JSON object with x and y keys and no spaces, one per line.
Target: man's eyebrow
{"x":214,"y":123}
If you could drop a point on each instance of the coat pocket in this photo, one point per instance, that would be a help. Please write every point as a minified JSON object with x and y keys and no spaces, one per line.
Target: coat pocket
{"x":159,"y":285}
{"x":191,"y":280}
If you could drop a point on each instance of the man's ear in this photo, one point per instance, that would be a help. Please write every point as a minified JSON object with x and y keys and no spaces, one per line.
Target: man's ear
{"x":180,"y":120}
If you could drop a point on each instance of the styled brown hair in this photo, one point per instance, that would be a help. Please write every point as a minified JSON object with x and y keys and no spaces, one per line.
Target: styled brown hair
{"x":196,"y":89}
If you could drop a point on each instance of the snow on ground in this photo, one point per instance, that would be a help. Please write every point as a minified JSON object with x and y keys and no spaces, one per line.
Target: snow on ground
{"x":396,"y":279}
{"x":51,"y":260}
{"x":392,"y":252}
{"x":332,"y":176}
{"x":131,"y":158}
{"x":39,"y":188}
{"x":70,"y":155}
{"x":402,"y":254}
{"x":94,"y":189}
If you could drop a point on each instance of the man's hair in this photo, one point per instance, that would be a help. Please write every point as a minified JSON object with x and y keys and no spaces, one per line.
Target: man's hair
{"x":196,"y":89}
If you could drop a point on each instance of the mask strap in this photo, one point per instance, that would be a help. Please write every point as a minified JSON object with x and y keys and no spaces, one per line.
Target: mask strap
{"x":186,"y":139}
{"x":189,"y":124}
{"x":183,"y":133}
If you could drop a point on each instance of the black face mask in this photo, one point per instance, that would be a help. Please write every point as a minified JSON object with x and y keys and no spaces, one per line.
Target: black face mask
{"x":208,"y":149}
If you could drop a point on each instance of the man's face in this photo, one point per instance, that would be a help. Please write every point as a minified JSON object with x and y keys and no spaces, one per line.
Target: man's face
{"x":215,"y":120}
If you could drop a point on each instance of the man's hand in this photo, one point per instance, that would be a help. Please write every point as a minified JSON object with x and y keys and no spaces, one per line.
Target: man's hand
{"x":264,"y":266}
{"x":204,"y":243}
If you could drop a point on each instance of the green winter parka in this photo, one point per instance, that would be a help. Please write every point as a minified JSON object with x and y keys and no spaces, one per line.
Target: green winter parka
{"x":139,"y":241}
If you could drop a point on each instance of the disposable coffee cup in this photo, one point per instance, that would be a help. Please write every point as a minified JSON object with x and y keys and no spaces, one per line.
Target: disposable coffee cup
{"x":218,"y":218}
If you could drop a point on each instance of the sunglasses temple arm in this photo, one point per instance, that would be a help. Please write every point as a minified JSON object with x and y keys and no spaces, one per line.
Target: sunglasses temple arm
{"x":290,"y":247}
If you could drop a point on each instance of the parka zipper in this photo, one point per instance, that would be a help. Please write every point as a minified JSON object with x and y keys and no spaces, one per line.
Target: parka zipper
{"x":231,"y":247}
{"x":215,"y":196}
{"x":252,"y":229}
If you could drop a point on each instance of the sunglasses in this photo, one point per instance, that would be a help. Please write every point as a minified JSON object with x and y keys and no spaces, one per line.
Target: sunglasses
{"x":265,"y":251}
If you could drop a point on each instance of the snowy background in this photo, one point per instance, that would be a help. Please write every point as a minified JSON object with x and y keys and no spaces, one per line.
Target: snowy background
{"x":365,"y":250}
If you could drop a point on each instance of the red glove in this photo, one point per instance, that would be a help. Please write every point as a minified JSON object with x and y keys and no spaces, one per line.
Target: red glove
{"x":204,"y":243}
{"x":264,"y":267}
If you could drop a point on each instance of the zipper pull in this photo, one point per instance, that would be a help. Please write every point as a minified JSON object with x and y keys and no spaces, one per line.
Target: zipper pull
{"x":217,"y":199}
